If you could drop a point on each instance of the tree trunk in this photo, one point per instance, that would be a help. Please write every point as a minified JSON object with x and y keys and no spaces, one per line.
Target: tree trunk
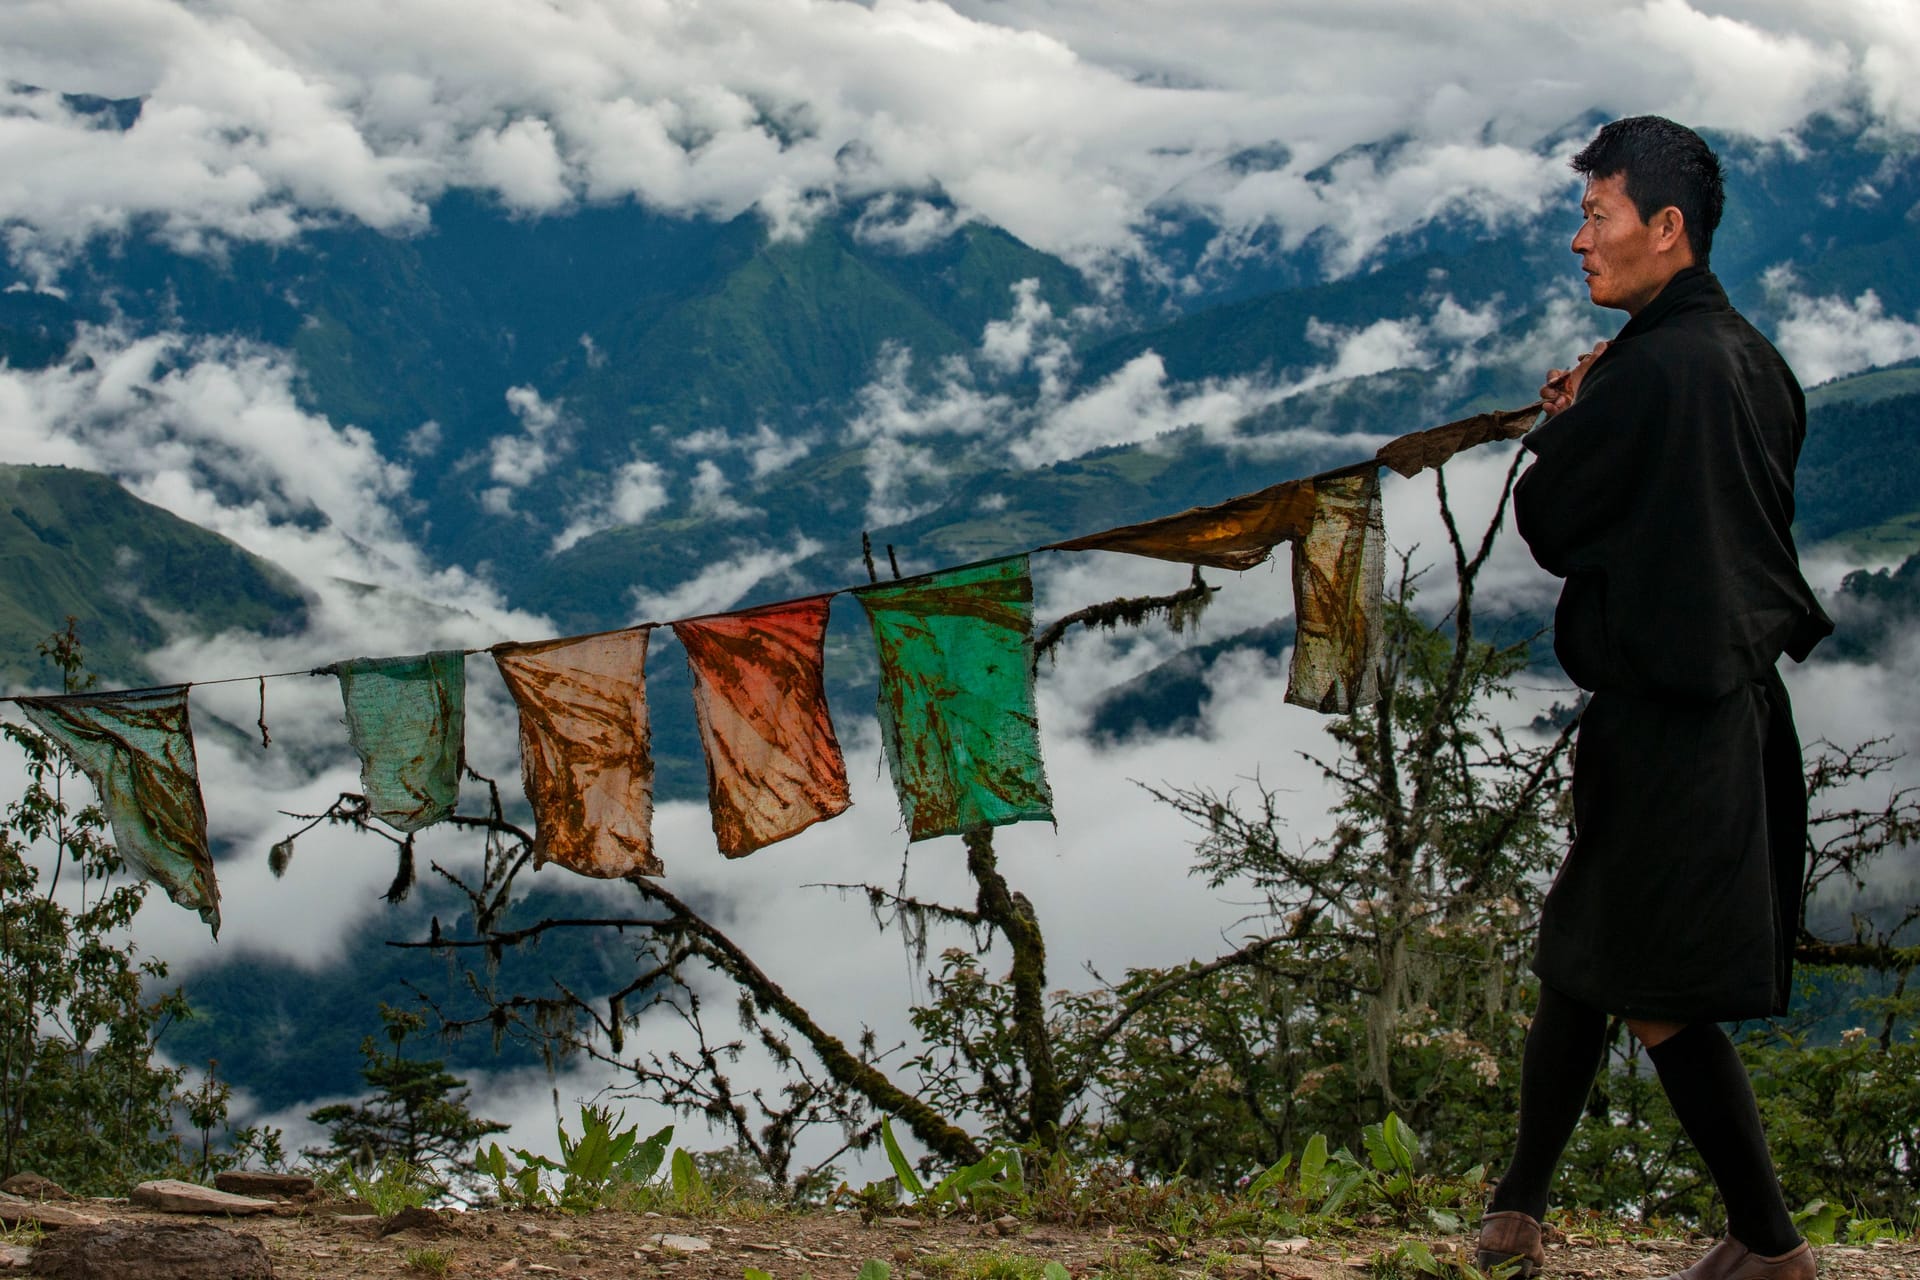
{"x":1013,"y":916}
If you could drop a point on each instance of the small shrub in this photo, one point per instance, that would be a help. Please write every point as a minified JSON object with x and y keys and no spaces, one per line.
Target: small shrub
{"x":388,"y":1188}
{"x":429,"y":1262}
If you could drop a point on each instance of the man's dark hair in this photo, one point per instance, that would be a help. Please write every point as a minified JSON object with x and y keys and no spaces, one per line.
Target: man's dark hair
{"x":1665,"y":164}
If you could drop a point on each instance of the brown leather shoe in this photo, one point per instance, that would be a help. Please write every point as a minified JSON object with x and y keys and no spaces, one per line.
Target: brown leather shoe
{"x":1731,"y":1260}
{"x":1509,"y":1236}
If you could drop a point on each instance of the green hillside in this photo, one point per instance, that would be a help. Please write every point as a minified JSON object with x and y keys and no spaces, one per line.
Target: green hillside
{"x":1859,"y":475}
{"x":1868,"y":386}
{"x":76,"y":543}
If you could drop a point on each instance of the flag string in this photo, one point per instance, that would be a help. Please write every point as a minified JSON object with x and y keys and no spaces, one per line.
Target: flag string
{"x":1333,"y":473}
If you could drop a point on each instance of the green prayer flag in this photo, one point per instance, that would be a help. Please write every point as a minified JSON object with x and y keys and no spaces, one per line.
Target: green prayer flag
{"x":956,"y":697}
{"x":406,"y":718}
{"x":137,"y":748}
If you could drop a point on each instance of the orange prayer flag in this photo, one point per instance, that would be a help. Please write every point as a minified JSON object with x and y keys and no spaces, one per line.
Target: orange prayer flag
{"x":584,"y":751}
{"x":1413,"y":453}
{"x":774,"y":767}
{"x":1237,"y":534}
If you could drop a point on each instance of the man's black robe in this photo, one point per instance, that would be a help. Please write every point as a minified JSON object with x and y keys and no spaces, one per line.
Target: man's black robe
{"x":1664,"y":497}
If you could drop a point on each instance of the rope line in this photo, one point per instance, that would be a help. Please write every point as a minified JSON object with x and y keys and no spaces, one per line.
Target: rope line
{"x":332,"y":668}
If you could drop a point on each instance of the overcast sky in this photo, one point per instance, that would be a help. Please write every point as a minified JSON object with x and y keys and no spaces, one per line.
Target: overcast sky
{"x":1069,"y":123}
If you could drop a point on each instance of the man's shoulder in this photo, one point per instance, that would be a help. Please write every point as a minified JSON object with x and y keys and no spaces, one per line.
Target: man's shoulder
{"x":1704,"y":342}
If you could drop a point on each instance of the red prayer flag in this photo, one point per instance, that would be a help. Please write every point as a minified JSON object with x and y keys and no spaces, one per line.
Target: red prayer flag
{"x":774,"y":767}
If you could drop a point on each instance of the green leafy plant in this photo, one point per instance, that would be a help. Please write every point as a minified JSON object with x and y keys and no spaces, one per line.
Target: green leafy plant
{"x":995,"y":1181}
{"x":690,"y":1191}
{"x":1819,"y":1221}
{"x":1864,"y":1231}
{"x":902,"y":1168}
{"x":601,"y":1162}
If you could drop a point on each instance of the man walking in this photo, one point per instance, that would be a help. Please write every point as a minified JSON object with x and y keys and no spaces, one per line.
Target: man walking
{"x":1662,"y":491}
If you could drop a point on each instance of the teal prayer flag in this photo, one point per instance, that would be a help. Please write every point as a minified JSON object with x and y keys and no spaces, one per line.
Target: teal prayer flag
{"x":406,"y":718}
{"x":137,"y":748}
{"x":956,"y":697}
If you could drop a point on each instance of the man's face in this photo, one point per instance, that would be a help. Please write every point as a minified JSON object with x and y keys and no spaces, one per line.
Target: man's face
{"x":1627,"y":260}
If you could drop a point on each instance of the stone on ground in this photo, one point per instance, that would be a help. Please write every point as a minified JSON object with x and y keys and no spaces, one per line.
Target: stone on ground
{"x":34,"y":1187}
{"x":681,"y":1244}
{"x":152,"y":1251}
{"x":246,"y":1182}
{"x":14,"y":1211}
{"x":170,"y":1195}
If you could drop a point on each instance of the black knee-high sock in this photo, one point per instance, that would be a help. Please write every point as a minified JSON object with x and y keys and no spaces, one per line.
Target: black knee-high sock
{"x":1708,"y":1086}
{"x":1564,"y":1047}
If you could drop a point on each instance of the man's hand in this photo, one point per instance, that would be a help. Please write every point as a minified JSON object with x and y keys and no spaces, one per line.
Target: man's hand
{"x":1563,"y":385}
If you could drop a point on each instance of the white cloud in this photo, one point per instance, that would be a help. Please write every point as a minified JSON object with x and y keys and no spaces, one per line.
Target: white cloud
{"x":1739,"y":70}
{"x":892,"y":406}
{"x":521,"y":163}
{"x":769,"y":451}
{"x":712,"y":493}
{"x":516,"y":461}
{"x":723,"y":585}
{"x":1063,"y":121}
{"x":638,"y":490}
{"x":1827,"y":337}
{"x":895,"y":470}
{"x":904,"y":224}
{"x":425,"y":440}
{"x":766,"y":450}
{"x":905,"y":419}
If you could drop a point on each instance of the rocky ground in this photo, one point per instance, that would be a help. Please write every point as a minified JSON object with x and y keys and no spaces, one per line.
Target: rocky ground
{"x":176,"y":1232}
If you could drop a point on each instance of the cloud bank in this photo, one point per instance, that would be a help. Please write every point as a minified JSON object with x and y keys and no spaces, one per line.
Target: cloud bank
{"x":1067,"y":122}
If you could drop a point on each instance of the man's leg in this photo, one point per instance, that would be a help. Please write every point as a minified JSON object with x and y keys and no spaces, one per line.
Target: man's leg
{"x":1708,"y":1086}
{"x":1564,"y":1049}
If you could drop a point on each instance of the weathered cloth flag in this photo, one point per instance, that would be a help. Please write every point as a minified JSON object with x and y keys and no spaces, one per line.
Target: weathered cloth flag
{"x":956,"y":697}
{"x":137,"y":748}
{"x":1413,"y":453}
{"x":584,"y":750}
{"x":406,"y":719}
{"x":1237,"y":534}
{"x":1339,"y":575}
{"x":774,"y":767}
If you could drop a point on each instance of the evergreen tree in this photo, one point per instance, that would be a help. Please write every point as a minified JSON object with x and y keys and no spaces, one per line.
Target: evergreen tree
{"x":419,"y":1112}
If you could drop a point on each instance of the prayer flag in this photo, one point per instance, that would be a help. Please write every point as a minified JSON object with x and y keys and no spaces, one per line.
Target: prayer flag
{"x":584,"y":752}
{"x":406,"y":718}
{"x":1411,"y":454}
{"x":137,"y":748}
{"x":774,"y":767}
{"x":956,"y":697}
{"x":1237,"y":534}
{"x":1339,"y":574}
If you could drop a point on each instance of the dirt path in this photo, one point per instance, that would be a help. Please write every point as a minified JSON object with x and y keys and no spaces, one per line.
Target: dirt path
{"x":322,"y":1242}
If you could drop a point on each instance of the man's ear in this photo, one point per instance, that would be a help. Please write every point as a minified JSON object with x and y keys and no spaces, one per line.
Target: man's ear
{"x":1669,"y":227}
